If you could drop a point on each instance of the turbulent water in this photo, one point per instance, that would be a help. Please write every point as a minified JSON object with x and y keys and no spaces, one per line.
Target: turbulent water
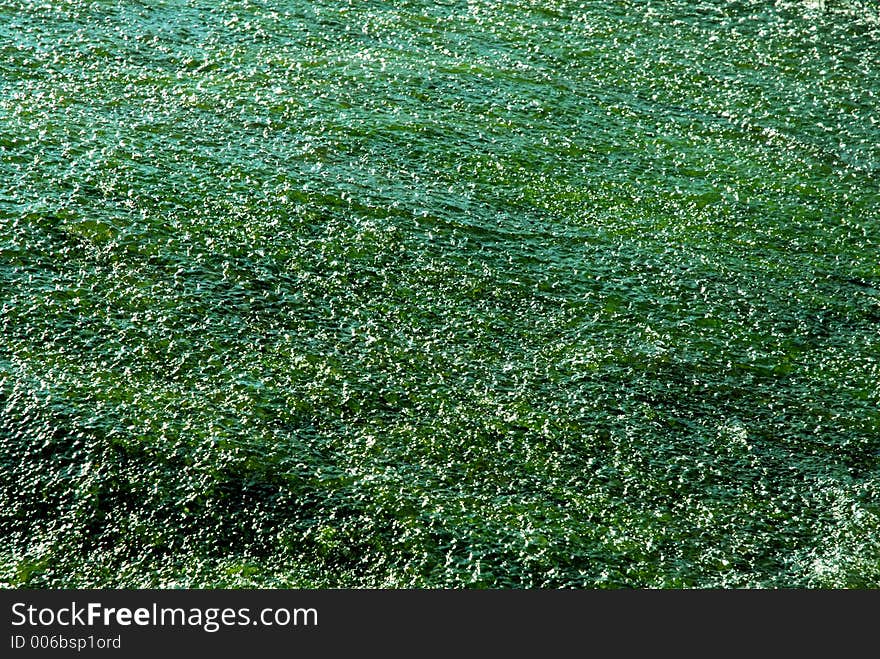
{"x":440,"y":294}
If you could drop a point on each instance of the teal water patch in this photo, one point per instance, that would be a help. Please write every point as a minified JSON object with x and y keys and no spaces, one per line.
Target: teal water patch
{"x":557,"y":295}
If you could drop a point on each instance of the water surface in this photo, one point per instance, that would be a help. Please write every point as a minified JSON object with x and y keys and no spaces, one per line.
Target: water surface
{"x":439,"y":294}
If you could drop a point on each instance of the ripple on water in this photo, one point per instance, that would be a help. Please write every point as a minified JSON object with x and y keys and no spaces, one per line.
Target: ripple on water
{"x":496,"y":295}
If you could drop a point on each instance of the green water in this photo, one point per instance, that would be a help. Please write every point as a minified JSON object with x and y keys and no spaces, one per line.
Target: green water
{"x":439,"y":294}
